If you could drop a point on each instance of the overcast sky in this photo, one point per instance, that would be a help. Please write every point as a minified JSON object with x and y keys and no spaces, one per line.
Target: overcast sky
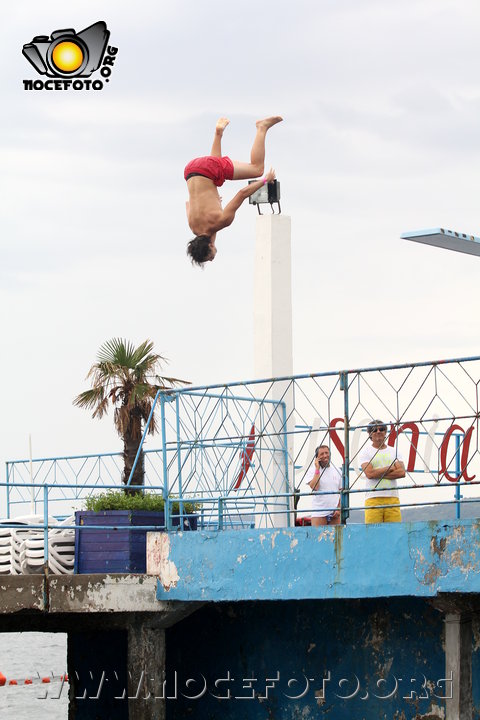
{"x":381,"y":101}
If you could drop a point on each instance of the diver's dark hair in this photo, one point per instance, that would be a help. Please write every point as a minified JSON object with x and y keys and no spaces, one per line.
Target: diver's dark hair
{"x":199,"y":249}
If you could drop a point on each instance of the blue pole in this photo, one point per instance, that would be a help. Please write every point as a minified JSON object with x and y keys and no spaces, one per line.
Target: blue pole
{"x":143,"y":438}
{"x":168,"y":521}
{"x":285,"y":454}
{"x":45,"y":526}
{"x":345,"y":498}
{"x":457,"y":473}
{"x":220,"y":513}
{"x":8,"y":490}
{"x":179,"y":460}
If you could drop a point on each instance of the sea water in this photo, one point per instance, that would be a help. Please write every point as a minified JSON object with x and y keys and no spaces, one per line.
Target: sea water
{"x":33,"y":655}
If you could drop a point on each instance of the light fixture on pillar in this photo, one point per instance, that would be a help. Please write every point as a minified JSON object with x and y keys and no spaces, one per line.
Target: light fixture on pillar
{"x":269,"y":193}
{"x":447,"y":239}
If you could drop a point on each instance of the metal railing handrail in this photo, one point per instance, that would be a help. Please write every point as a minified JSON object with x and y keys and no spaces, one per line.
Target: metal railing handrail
{"x":304,"y":376}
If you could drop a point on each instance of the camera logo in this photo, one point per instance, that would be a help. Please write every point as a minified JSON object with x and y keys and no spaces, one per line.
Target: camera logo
{"x":66,"y":55}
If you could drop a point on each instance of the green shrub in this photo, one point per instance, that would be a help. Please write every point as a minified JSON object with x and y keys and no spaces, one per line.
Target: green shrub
{"x":119,"y":500}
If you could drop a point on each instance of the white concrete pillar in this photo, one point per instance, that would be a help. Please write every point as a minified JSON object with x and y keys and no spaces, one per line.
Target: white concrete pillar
{"x":458,"y":666}
{"x":273,"y":297}
{"x":274,"y":358}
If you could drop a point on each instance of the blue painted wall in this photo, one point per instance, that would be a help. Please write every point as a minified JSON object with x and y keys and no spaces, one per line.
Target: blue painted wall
{"x":353,"y":561}
{"x":296,"y":604}
{"x":396,"y":641}
{"x":476,"y":666}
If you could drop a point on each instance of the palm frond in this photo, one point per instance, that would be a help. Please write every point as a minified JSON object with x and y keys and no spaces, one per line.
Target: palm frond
{"x":117,"y":351}
{"x":144,"y":354}
{"x":89,"y":398}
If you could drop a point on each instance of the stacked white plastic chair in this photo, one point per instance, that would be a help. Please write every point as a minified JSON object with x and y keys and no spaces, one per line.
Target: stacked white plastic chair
{"x":23,"y":547}
{"x":9,"y":559}
{"x":27,"y":551}
{"x":61,"y":548}
{"x":5,"y":551}
{"x":19,"y":537}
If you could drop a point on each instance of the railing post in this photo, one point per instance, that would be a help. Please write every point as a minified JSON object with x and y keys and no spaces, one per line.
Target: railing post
{"x":179,"y":460}
{"x":345,"y":499}
{"x":168,"y":519}
{"x":458,"y":471}
{"x":45,"y":527}
{"x":285,"y":454}
{"x":8,"y":489}
{"x":32,"y":489}
{"x":163,"y":425}
{"x":220,"y":513}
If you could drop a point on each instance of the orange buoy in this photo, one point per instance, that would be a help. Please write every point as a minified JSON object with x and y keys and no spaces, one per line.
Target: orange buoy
{"x":12,"y":682}
{"x":45,"y":680}
{"x":64,"y":678}
{"x":28,"y":681}
{"x":3,"y":679}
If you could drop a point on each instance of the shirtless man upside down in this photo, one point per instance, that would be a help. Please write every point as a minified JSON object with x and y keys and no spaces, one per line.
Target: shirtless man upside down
{"x":205,"y":174}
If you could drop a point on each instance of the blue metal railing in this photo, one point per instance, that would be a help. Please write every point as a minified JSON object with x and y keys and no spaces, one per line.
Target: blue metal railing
{"x":241,"y":449}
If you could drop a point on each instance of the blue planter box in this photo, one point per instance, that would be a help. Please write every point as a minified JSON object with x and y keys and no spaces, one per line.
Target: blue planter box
{"x":120,"y":550}
{"x":113,"y":551}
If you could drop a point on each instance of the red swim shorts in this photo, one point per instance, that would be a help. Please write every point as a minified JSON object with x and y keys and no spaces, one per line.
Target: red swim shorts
{"x":217,"y":169}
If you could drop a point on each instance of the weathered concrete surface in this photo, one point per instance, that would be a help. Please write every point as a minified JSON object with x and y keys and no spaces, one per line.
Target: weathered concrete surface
{"x":119,"y":596}
{"x":158,"y":551}
{"x":21,"y":592}
{"x":106,"y":593}
{"x":353,"y":561}
{"x":146,"y":650}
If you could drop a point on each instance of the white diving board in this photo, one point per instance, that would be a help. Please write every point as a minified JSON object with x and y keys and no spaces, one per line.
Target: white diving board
{"x":447,"y":239}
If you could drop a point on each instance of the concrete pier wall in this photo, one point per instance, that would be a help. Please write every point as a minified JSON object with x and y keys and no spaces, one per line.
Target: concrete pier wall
{"x":422,"y":559}
{"x":116,"y":638}
{"x":286,"y":623}
{"x":343,"y":659}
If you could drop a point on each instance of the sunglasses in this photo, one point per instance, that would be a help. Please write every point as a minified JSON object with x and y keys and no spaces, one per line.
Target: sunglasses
{"x":380,"y":428}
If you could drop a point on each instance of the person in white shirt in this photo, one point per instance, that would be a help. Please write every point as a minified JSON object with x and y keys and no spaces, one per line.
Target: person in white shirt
{"x":382,"y":465}
{"x":324,"y":478}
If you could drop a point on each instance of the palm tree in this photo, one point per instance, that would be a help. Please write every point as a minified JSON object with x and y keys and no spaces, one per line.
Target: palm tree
{"x":126,"y":377}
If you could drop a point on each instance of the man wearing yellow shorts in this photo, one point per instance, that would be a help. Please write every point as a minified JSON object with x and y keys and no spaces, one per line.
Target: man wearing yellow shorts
{"x":382,"y":466}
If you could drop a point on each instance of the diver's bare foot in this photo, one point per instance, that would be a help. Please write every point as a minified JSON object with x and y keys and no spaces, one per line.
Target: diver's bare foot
{"x":268,"y":122}
{"x":221,"y":125}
